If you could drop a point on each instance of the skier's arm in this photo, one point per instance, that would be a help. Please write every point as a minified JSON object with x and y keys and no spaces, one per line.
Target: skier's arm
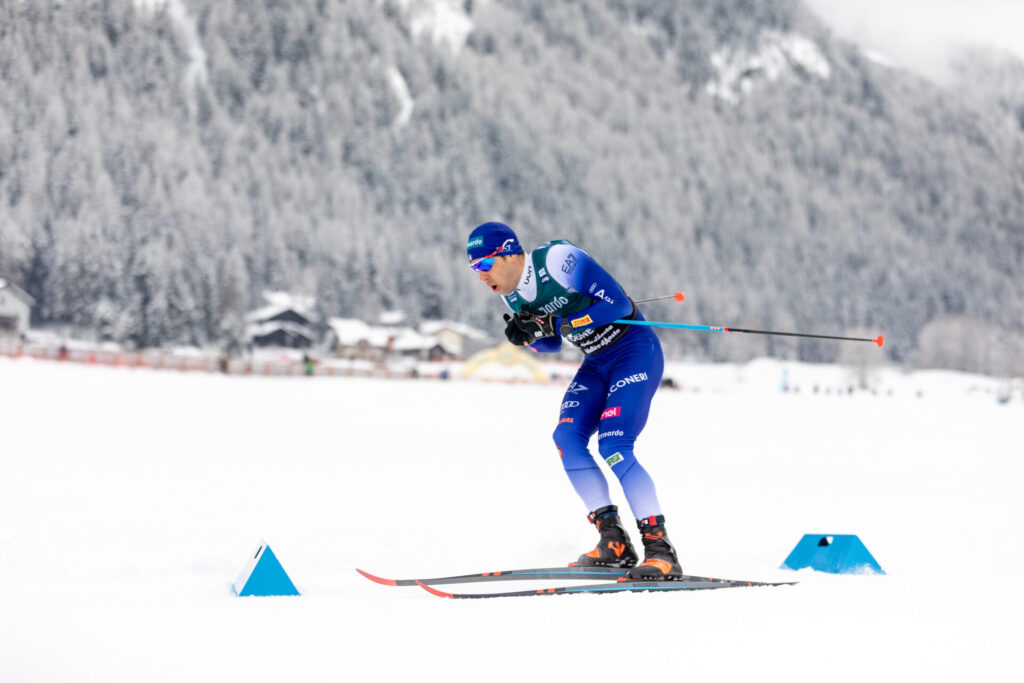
{"x":578,"y":271}
{"x":519,"y":332}
{"x":547,"y":344}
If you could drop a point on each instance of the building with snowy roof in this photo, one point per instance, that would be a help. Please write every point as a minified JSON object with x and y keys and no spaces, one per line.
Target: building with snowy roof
{"x":286,"y":321}
{"x":15,"y":309}
{"x":457,"y":339}
{"x":408,"y":342}
{"x":355,"y":339}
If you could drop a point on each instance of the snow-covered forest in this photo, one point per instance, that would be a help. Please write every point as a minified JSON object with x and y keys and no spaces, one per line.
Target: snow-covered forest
{"x":162,"y":162}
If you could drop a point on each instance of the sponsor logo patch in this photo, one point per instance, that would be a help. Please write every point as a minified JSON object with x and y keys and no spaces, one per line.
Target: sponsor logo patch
{"x":570,"y":264}
{"x":475,"y":242}
{"x":617,"y":432}
{"x":565,"y":419}
{"x":570,"y":404}
{"x":555,"y":304}
{"x":611,"y":412}
{"x":580,"y":322}
{"x":575,"y":388}
{"x":614,"y":459}
{"x":632,"y":379}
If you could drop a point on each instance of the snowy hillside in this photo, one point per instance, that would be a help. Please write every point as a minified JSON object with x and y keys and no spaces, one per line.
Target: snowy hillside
{"x":131,"y":499}
{"x":165,"y":161}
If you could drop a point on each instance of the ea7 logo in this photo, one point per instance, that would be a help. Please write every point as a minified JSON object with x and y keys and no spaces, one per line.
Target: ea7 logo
{"x":575,"y":388}
{"x":612,"y":412}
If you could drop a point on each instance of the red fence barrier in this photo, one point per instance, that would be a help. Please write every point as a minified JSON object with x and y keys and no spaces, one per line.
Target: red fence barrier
{"x":156,"y":360}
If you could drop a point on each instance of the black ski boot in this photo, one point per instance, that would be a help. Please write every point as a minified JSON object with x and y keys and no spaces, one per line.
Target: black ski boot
{"x":660,"y":562}
{"x":614,"y":548}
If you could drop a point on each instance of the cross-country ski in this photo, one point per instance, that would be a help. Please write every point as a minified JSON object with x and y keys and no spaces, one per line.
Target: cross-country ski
{"x":614,"y":580}
{"x":623,"y":585}
{"x":532,"y":574}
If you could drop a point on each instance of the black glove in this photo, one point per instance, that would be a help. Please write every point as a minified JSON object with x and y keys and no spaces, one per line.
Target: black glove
{"x":515,"y":334}
{"x":538,"y":323}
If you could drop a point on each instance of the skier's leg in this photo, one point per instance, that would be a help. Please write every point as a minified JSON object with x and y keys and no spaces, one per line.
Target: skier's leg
{"x":577,"y":420}
{"x":632,"y":383}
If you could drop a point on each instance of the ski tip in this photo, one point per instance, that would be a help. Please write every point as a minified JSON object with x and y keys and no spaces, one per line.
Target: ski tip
{"x":434,"y":591}
{"x":377,"y":579}
{"x":679,"y":296}
{"x":879,"y":340}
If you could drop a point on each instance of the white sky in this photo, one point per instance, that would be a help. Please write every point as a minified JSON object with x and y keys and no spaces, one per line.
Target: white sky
{"x":919,"y":34}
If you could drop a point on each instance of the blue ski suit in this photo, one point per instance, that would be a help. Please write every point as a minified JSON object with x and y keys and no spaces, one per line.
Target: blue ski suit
{"x":612,"y":391}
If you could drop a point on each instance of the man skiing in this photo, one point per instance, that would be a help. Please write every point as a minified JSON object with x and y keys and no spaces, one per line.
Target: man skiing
{"x":560,"y":290}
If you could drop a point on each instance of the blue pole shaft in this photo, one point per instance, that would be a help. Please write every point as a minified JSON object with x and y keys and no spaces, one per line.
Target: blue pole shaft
{"x":678,"y":326}
{"x":879,"y":340}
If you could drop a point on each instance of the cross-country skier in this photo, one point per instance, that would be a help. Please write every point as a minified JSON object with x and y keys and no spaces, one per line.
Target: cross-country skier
{"x":559,"y":289}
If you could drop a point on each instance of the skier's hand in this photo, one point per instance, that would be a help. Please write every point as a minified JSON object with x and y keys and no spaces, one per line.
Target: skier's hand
{"x":537,"y":323}
{"x":514,"y":333}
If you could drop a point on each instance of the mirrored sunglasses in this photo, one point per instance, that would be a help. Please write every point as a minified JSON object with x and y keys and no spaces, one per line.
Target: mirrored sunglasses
{"x":487,"y":262}
{"x":484,"y":264}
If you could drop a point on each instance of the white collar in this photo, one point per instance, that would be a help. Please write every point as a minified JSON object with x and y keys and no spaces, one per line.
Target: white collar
{"x":527,"y":286}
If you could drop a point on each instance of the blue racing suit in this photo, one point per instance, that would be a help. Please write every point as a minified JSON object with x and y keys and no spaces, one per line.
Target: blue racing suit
{"x":612,"y":391}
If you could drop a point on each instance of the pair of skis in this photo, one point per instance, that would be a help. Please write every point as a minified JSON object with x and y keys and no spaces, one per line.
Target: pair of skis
{"x":612,"y":581}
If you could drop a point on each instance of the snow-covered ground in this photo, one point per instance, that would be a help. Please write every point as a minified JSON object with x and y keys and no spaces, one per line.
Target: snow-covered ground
{"x":131,"y":498}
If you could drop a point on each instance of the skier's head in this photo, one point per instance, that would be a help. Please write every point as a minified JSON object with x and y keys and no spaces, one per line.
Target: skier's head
{"x":492,"y":239}
{"x":495,"y":254}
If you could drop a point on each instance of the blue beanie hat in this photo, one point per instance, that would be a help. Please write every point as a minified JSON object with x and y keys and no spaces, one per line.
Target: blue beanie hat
{"x":492,"y":237}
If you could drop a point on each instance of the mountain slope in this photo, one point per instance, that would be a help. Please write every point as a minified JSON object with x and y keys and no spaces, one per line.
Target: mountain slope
{"x":162,"y":164}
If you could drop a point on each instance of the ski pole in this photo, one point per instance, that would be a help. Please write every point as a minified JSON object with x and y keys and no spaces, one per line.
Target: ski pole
{"x":716,"y":328}
{"x":678,"y":296}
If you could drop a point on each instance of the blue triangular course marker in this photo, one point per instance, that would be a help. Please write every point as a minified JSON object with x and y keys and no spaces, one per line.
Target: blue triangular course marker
{"x":833,"y":553}
{"x":263,"y":575}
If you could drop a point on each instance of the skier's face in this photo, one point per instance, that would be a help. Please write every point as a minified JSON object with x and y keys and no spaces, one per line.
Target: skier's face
{"x":504,"y":274}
